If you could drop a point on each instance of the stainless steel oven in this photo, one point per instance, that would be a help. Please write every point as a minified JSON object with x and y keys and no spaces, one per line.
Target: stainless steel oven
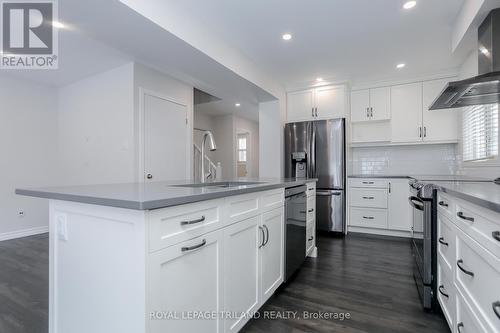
{"x":423,"y":247}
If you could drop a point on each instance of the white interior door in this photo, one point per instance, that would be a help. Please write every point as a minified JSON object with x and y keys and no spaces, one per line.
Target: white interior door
{"x":165,"y":139}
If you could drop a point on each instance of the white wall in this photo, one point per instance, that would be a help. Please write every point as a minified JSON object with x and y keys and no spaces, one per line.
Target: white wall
{"x":96,"y":129}
{"x":271,"y":120}
{"x":224,"y":133}
{"x":28,"y":141}
{"x":404,"y":160}
{"x":146,"y":78}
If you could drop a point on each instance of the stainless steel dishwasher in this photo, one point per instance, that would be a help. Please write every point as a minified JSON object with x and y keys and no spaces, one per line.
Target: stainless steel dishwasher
{"x":295,"y":229}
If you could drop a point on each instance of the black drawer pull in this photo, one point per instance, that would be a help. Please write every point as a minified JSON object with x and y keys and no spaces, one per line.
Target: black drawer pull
{"x":441,"y":288}
{"x":368,"y":217}
{"x":459,"y":327}
{"x":311,"y":210}
{"x":194,"y":247}
{"x":459,"y":264}
{"x":441,"y":240}
{"x":496,"y":306}
{"x":201,"y":219}
{"x":368,"y":183}
{"x":463,"y":217}
{"x":369,"y":198}
{"x":442,"y":203}
{"x":310,"y":239}
{"x":496,"y":235}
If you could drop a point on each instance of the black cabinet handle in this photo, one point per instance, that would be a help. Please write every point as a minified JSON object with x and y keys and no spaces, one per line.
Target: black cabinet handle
{"x":459,"y":264}
{"x":441,"y":240}
{"x":310,"y":239}
{"x":496,"y":235}
{"x":368,"y":183}
{"x":496,"y":306}
{"x":441,"y":288}
{"x":263,"y":236}
{"x":191,"y":248}
{"x":368,"y":217}
{"x":369,"y":198}
{"x":267,"y":235}
{"x":311,"y":210}
{"x":463,"y":217}
{"x":442,"y":203}
{"x":459,"y":327}
{"x":201,"y":219}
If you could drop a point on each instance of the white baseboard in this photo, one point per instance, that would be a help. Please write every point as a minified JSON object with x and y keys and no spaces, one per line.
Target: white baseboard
{"x":381,"y":232}
{"x":23,"y":233}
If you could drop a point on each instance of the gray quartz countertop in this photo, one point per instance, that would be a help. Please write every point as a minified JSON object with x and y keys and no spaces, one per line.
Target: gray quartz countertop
{"x":153,"y":195}
{"x":484,"y":194}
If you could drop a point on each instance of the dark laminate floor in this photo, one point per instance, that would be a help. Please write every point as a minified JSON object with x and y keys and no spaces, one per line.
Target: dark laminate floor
{"x":24,"y":285}
{"x":369,"y":278}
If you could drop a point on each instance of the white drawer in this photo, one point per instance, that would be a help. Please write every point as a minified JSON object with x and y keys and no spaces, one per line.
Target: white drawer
{"x":446,"y":205}
{"x":484,"y":226}
{"x":446,"y":243}
{"x":446,"y":295}
{"x":467,"y":321}
{"x":172,"y":225}
{"x":273,"y":199}
{"x":478,"y":278}
{"x":311,"y":208}
{"x":242,"y":207}
{"x":366,"y":182}
{"x":311,"y":189}
{"x":369,"y":197}
{"x":368,"y":218}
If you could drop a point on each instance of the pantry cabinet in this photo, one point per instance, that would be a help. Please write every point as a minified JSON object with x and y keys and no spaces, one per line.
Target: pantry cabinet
{"x":371,"y":104}
{"x":315,"y":104}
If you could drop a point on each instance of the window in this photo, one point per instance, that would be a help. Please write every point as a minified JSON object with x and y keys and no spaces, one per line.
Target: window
{"x":242,"y":147}
{"x":480,"y":132}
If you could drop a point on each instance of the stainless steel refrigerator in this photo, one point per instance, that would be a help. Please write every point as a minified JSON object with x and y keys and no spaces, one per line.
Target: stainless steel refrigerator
{"x":316,"y":149}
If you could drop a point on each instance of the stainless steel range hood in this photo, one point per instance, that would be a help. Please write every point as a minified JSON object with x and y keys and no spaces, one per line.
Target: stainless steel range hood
{"x":485,"y":88}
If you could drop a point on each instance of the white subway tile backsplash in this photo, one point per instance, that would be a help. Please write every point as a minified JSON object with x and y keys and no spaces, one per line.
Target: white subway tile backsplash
{"x":404,"y":160}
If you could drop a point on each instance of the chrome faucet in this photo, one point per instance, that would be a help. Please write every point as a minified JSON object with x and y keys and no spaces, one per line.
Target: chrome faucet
{"x":212,"y":147}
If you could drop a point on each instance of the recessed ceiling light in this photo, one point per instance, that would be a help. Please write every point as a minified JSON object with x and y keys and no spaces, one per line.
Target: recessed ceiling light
{"x":409,"y":4}
{"x":286,"y":36}
{"x":237,"y":105}
{"x":57,"y":24}
{"x":399,"y":66}
{"x":319,"y":79}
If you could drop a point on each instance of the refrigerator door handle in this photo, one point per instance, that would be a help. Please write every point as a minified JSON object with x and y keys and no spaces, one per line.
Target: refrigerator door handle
{"x":313,"y":151}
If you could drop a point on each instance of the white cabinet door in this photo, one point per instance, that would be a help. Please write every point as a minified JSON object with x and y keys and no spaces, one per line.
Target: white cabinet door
{"x":439,"y":125}
{"x":360,"y":103}
{"x":330,"y":102}
{"x":380,"y":103}
{"x":406,"y":103}
{"x":300,"y":106}
{"x":241,"y":271}
{"x":399,"y":210}
{"x":272,"y":253}
{"x":187,"y":277}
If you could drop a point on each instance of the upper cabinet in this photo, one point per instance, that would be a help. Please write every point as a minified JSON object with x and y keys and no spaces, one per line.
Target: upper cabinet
{"x":406,"y":122}
{"x":439,"y":125}
{"x":371,"y":104}
{"x":313,"y":104}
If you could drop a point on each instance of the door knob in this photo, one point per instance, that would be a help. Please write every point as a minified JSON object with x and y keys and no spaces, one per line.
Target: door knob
{"x":149,"y":176}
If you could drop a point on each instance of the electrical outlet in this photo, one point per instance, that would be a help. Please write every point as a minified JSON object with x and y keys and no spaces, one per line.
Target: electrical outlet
{"x":20,"y":213}
{"x":62,"y":227}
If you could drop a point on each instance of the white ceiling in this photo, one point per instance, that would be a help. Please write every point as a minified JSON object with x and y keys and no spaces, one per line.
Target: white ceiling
{"x":246,"y":110}
{"x":355,"y":40}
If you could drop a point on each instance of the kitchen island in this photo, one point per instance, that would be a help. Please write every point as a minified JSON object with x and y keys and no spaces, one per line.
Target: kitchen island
{"x":164,"y":257}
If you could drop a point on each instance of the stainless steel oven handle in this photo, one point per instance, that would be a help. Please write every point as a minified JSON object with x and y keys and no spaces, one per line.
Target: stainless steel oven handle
{"x":419,"y":206}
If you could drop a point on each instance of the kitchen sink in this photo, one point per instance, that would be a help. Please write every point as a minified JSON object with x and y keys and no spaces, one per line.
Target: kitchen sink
{"x":227,"y":184}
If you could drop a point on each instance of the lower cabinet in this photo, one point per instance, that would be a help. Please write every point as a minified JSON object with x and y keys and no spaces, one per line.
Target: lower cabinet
{"x":228,"y":274}
{"x":186,"y":278}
